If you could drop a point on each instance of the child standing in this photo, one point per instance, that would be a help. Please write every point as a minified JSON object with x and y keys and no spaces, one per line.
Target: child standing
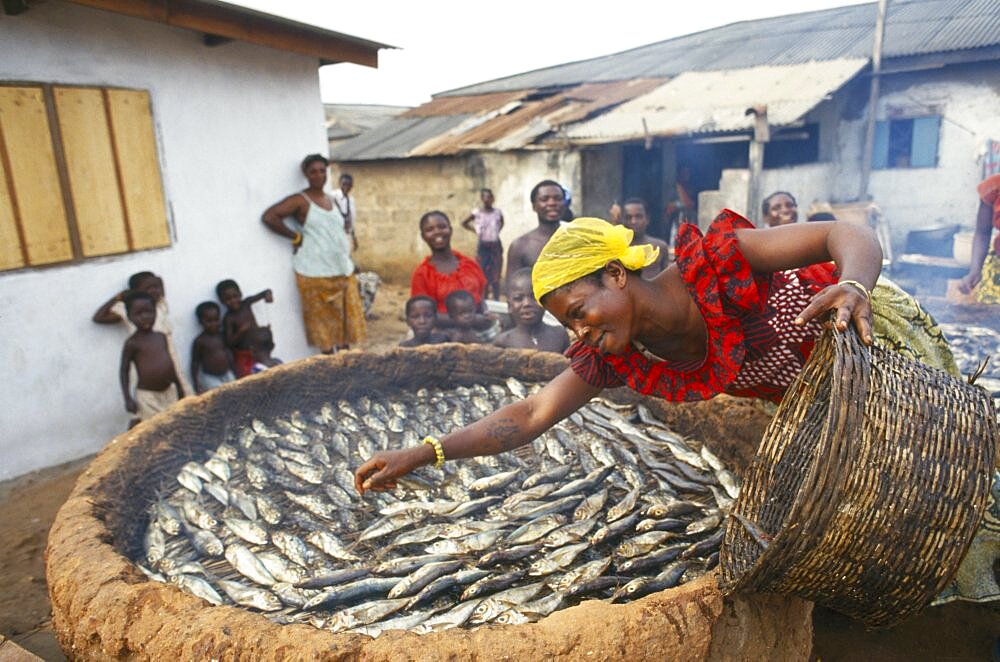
{"x":238,"y":322}
{"x":421,"y":316}
{"x":531,"y":332}
{"x":113,"y":311}
{"x":147,"y":350}
{"x":262,"y":344}
{"x":487,"y":221}
{"x":211,"y":360}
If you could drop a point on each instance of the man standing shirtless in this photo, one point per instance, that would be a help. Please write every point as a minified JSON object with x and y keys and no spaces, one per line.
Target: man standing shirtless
{"x":548,"y":199}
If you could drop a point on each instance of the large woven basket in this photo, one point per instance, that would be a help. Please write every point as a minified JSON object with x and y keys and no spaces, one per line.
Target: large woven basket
{"x":867,"y":487}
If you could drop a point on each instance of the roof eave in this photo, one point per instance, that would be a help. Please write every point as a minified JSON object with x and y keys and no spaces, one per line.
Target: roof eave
{"x":924,"y":61}
{"x":232,"y":22}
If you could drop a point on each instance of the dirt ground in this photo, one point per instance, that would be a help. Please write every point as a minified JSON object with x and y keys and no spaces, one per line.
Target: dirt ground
{"x":29,"y":503}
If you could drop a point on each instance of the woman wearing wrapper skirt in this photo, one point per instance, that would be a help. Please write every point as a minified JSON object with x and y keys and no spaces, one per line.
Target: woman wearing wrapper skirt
{"x":738,"y":313}
{"x":324,"y":273}
{"x":983,"y":279}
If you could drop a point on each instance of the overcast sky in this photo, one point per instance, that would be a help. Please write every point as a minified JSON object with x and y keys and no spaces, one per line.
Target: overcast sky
{"x":444,"y":44}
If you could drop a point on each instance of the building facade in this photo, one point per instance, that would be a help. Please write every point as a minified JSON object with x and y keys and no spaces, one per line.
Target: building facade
{"x":227,"y":125}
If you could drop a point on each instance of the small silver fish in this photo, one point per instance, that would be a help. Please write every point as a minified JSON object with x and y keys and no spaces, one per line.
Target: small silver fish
{"x":557,"y":560}
{"x":642,"y":544}
{"x":331,"y":546}
{"x":220,"y":468}
{"x":312,"y":503}
{"x":198,"y":470}
{"x":249,"y":531}
{"x":189,"y":481}
{"x":154,"y":544}
{"x":291,"y":546}
{"x":243,"y":502}
{"x":591,"y":505}
{"x":494,"y":482}
{"x":250,"y":596}
{"x":623,"y":507}
{"x":282,"y":569}
{"x":217,"y":492}
{"x":197,"y":515}
{"x":198,"y":587}
{"x":247,"y":564}
{"x":268,"y":509}
{"x":167,"y":518}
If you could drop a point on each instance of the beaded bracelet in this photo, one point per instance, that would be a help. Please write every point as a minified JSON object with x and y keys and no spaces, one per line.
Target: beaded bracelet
{"x":438,"y":450}
{"x":864,"y":290}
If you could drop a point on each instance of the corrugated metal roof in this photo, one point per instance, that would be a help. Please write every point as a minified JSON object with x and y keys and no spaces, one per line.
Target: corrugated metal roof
{"x":913,"y":27}
{"x":479,"y":103}
{"x":713,"y":101}
{"x":531,"y":119}
{"x":344,"y":120}
{"x":496,"y":122}
{"x":395,"y":138}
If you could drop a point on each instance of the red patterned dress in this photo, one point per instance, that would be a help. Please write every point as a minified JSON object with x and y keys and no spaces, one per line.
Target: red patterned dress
{"x":754,"y":349}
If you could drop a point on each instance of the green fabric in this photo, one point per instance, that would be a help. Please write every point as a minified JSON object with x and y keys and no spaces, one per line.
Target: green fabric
{"x":901,"y":324}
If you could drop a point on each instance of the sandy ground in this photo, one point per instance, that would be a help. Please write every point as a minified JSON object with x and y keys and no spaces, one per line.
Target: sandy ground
{"x":29,"y":503}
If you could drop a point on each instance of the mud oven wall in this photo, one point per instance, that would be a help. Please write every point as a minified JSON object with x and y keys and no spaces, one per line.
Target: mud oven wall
{"x":103,"y":606}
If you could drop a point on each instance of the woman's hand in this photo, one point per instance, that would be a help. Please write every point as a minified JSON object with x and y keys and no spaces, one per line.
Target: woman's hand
{"x":849,"y":303}
{"x":381,"y":471}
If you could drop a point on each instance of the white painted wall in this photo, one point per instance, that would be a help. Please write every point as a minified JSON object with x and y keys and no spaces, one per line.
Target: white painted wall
{"x":966,"y":96}
{"x":233,"y":123}
{"x":969,"y":98}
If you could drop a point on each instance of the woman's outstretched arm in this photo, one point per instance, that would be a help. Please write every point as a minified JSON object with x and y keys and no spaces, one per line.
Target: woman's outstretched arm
{"x":503,"y":430}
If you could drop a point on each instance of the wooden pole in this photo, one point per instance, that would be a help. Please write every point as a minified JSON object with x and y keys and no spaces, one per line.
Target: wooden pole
{"x":873,"y":91}
{"x":761,"y":134}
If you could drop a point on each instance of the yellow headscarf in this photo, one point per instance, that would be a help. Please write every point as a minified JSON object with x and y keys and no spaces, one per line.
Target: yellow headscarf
{"x":582,"y":247}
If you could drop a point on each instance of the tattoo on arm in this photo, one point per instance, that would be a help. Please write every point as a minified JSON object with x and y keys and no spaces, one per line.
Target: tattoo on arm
{"x":505,"y":433}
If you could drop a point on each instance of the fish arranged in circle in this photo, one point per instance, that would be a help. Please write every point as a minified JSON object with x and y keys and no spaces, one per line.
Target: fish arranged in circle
{"x":609,"y":504}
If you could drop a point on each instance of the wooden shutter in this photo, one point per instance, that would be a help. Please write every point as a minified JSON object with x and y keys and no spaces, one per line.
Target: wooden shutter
{"x":138,"y":167}
{"x":33,"y":226}
{"x":923,"y":153}
{"x":90,"y":165}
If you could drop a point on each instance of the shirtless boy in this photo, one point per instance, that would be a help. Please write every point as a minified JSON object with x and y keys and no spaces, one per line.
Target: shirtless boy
{"x":530,"y":331}
{"x":239,"y":320}
{"x":548,"y":199}
{"x":211,"y":360}
{"x":465,"y":324}
{"x":421,"y":316}
{"x":635,"y":218}
{"x":157,"y":385}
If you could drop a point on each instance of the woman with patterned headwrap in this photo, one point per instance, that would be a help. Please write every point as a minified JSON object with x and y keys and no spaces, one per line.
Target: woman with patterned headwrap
{"x":738,"y":313}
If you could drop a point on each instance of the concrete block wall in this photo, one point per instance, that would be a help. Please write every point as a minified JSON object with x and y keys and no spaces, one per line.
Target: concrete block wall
{"x":392,"y":195}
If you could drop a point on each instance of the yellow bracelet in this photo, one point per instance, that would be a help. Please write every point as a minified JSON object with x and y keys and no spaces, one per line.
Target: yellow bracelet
{"x":864,"y":290}
{"x":438,"y":450}
{"x":297,"y":241}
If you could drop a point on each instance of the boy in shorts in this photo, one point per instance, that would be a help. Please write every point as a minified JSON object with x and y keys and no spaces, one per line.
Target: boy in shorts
{"x":238,"y":322}
{"x":157,"y":384}
{"x":211,"y":360}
